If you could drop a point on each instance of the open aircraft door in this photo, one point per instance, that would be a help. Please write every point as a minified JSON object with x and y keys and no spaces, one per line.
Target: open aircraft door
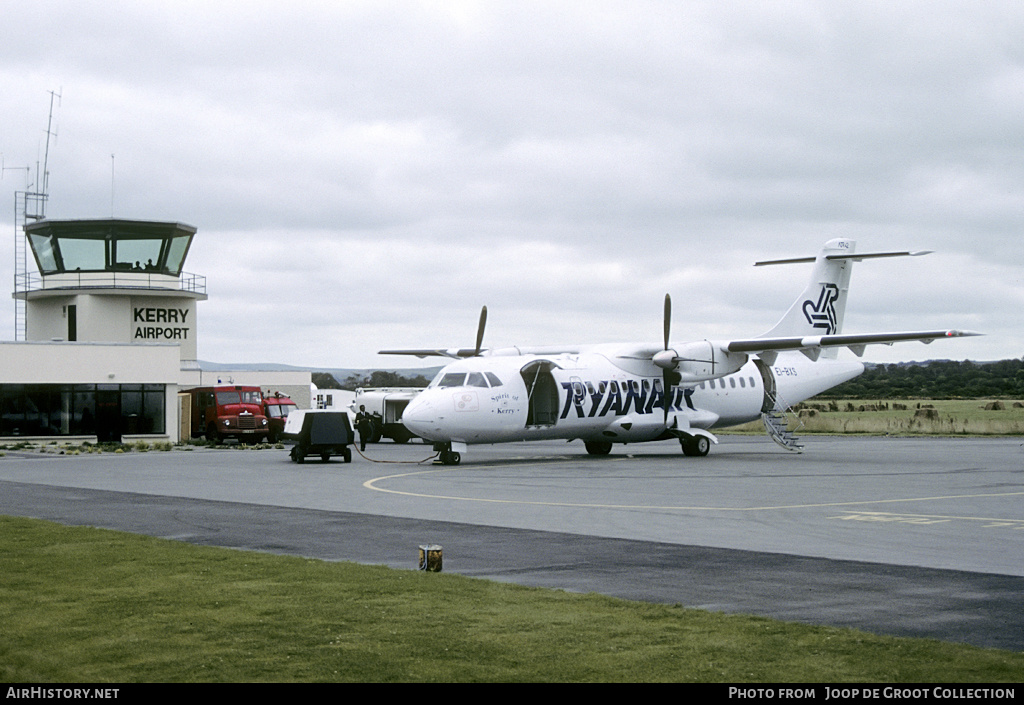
{"x":542,"y":391}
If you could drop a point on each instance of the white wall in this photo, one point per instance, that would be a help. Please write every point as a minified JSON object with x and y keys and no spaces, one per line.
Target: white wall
{"x":115,"y":317}
{"x":88,"y":363}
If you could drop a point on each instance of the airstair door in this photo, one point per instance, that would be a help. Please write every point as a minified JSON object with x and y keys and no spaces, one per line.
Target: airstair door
{"x":542,"y":392}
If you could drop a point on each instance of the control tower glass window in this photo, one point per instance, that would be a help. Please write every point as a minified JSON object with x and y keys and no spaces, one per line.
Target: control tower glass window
{"x":88,"y":255}
{"x":137,"y":255}
{"x":46,"y":256}
{"x":109,"y":246}
{"x":177,"y":248}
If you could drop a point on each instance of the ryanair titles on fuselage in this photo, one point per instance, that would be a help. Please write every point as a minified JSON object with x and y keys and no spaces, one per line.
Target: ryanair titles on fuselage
{"x":151,"y":314}
{"x":612,"y":397}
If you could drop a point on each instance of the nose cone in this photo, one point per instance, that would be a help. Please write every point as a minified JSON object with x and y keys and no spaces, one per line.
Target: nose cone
{"x":421,"y":417}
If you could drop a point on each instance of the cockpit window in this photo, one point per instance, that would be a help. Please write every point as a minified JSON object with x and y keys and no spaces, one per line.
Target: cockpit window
{"x":464,"y":379}
{"x":452,"y":379}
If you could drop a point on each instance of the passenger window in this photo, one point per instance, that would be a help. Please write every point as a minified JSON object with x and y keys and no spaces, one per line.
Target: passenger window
{"x":732,"y":382}
{"x":743,"y":382}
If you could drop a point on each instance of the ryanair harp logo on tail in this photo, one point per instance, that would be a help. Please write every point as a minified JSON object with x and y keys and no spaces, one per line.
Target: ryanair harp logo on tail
{"x":823,"y":313}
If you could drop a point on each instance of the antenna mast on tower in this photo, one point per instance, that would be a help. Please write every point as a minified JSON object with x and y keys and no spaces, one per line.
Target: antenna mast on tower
{"x":29,"y":205}
{"x":46,"y":153}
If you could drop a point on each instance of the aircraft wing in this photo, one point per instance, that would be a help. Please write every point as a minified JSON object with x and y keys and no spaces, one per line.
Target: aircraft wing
{"x":811,"y":346}
{"x":458,"y":353}
{"x":455,"y":353}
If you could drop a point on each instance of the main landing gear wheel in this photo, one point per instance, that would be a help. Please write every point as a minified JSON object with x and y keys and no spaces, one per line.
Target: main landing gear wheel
{"x":696,"y":447}
{"x":598,"y":447}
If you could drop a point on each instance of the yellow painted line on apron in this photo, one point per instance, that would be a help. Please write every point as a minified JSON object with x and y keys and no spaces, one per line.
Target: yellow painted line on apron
{"x":372,"y":485}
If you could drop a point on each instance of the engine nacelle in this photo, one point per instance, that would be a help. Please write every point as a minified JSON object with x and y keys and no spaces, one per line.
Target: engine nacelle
{"x":701,"y":361}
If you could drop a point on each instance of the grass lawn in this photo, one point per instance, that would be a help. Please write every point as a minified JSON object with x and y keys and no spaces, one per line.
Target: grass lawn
{"x":950,"y":417}
{"x":90,"y":605}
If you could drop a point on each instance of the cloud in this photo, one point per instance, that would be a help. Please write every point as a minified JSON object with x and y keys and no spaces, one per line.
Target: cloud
{"x":368,"y":174}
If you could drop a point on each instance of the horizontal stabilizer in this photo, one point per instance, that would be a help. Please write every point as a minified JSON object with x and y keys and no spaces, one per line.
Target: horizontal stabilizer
{"x":850,"y":256}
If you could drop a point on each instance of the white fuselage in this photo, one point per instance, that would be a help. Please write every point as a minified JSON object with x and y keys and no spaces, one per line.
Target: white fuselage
{"x":602,"y":394}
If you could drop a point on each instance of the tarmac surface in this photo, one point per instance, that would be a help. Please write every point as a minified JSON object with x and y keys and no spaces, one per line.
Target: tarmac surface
{"x":918,"y":537}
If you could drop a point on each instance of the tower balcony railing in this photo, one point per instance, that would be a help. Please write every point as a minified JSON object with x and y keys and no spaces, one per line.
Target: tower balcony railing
{"x":25,"y":283}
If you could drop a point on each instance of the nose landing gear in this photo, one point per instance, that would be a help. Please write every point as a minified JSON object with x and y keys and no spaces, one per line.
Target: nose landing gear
{"x":450,"y":457}
{"x":446,"y":455}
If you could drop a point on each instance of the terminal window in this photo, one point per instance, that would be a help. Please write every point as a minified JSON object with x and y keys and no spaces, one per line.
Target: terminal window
{"x":72,"y":410}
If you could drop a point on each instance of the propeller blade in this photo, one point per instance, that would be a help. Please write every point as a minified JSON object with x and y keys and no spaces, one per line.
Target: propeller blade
{"x":668,"y":318}
{"x":666,"y":378}
{"x":480,"y":330}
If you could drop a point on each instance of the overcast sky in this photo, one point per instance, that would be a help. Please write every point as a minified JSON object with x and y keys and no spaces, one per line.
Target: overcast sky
{"x":366,"y":175}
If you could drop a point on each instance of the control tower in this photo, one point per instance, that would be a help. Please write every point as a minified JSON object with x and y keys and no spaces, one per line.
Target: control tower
{"x":111,"y":280}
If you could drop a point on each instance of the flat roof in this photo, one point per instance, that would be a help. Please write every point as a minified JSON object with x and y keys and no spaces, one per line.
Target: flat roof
{"x":100,"y":228}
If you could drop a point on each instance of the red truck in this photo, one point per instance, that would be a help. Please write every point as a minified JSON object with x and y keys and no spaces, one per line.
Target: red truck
{"x":276,"y":408}
{"x":229,"y":411}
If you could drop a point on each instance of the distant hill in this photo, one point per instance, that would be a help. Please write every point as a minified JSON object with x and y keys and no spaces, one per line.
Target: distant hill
{"x":256,"y":366}
{"x":325,"y":379}
{"x":339,"y":373}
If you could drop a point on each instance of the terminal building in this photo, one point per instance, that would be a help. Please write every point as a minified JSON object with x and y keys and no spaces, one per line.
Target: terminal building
{"x":110,"y":333}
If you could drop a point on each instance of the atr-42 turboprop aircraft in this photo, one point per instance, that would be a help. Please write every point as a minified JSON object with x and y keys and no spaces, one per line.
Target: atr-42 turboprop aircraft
{"x":635,"y":392}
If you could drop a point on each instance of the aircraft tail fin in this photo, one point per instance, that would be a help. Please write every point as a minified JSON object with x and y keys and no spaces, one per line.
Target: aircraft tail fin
{"x":820,"y":308}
